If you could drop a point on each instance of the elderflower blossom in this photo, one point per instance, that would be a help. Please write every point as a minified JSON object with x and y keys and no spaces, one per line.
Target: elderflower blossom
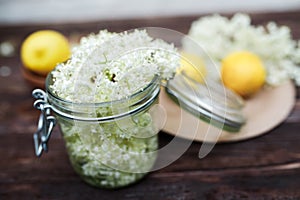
{"x":110,"y":66}
{"x":106,"y":67}
{"x":219,"y":36}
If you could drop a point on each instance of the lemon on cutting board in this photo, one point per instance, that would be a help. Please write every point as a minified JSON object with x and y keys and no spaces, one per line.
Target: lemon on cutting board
{"x":243,"y":72}
{"x":192,"y":66}
{"x":42,"y":50}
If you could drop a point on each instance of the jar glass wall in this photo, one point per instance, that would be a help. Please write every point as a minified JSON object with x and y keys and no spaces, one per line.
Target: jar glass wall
{"x":110,"y":144}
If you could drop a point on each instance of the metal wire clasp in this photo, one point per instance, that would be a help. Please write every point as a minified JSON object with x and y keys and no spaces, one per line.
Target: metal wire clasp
{"x":46,"y":122}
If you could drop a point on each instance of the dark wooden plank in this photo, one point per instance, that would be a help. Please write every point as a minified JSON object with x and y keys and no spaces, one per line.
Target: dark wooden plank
{"x":189,"y":186}
{"x":179,"y":23}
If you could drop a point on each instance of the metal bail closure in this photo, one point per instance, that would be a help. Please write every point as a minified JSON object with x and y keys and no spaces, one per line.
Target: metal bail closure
{"x":46,"y":122}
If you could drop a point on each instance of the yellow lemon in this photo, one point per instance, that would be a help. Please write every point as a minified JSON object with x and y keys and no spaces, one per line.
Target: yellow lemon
{"x":243,"y":72}
{"x":192,"y":66}
{"x":42,"y":50}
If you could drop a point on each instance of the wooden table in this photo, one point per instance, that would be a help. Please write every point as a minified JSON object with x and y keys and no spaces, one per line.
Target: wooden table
{"x":267,"y":167}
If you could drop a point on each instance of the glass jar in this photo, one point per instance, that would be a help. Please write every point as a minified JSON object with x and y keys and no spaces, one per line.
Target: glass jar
{"x":110,"y":144}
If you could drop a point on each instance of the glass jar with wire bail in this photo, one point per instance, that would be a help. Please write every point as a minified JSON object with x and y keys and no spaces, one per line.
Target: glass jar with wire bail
{"x":110,"y":144}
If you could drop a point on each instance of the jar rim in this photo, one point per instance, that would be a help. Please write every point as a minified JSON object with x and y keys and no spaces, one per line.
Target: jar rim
{"x":155,"y":80}
{"x":132,"y":104}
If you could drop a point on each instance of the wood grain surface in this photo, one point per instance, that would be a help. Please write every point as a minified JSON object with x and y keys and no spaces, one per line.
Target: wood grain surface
{"x":266,"y":167}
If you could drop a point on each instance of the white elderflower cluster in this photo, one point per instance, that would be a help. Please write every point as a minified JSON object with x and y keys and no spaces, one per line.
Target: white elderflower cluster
{"x":220,"y":36}
{"x":106,"y":67}
{"x":110,"y":66}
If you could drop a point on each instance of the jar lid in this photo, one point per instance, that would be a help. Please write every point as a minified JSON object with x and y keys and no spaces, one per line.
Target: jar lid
{"x":210,"y":101}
